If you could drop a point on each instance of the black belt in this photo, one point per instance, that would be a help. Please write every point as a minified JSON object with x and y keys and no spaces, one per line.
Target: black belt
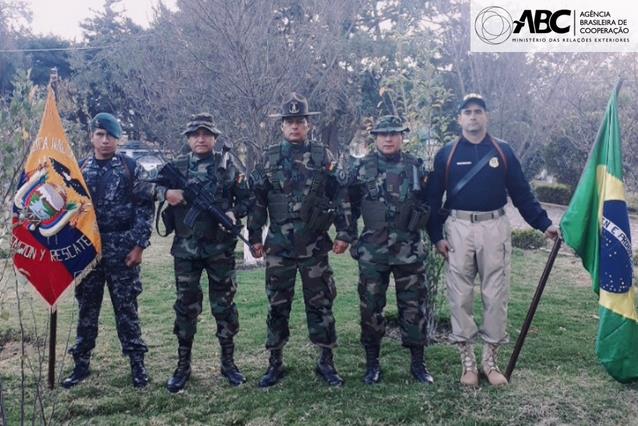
{"x":118,"y":228}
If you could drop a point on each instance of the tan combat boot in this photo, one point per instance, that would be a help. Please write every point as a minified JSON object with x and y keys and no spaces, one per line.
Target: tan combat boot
{"x":470,"y":375}
{"x":490,"y":369}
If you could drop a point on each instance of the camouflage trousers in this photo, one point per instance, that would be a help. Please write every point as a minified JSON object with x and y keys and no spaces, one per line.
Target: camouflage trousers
{"x":124,"y":286}
{"x":222,"y":286}
{"x":319,"y":292}
{"x":411,"y":291}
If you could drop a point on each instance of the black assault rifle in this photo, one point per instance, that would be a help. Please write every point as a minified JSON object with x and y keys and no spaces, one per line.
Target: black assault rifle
{"x":199,"y":198}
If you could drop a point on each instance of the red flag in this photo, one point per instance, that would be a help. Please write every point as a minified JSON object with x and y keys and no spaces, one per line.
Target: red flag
{"x":55,"y":241}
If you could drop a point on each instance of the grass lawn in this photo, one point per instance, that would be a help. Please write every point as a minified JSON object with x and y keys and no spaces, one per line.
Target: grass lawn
{"x":558,"y":379}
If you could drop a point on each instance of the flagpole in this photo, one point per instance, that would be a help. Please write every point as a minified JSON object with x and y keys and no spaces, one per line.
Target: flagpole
{"x":53,"y":313}
{"x":52,"y":340}
{"x":532,"y":308}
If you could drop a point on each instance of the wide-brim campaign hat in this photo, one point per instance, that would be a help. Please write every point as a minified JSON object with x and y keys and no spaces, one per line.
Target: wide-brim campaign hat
{"x":296,"y":106}
{"x":389,"y":124}
{"x":472,"y":98}
{"x":203,"y":120}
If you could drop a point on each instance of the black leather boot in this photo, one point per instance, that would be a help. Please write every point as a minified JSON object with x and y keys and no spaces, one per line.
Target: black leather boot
{"x":80,"y":371}
{"x":326,"y":369}
{"x":373,"y":369}
{"x":183,"y":371}
{"x":417,"y":367}
{"x":139,"y":374}
{"x":275,"y":371}
{"x":228,"y":367}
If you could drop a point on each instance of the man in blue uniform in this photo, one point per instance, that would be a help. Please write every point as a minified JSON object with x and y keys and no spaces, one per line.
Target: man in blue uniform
{"x":477,"y":173}
{"x":124,"y":208}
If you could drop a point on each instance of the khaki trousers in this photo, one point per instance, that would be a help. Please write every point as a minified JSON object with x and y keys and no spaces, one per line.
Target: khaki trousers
{"x":484,"y":248}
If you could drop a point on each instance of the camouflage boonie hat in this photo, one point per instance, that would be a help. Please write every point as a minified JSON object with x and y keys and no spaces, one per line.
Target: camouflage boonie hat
{"x":389,"y":124}
{"x":296,"y":106}
{"x":203,"y":120}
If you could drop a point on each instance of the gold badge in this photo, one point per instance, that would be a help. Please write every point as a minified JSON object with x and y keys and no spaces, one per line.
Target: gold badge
{"x":494,"y":162}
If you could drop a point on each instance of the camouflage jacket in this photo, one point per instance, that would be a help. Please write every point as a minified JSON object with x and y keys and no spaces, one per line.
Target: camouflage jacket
{"x":388,"y":192}
{"x":287,"y":173}
{"x":123,"y":203}
{"x":221,"y":177}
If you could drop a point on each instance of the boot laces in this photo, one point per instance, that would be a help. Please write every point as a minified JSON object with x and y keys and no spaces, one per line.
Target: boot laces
{"x":490,"y":359}
{"x":468,"y":358}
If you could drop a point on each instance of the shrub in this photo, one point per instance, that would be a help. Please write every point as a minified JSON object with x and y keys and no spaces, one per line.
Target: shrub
{"x":556,"y":193}
{"x":565,"y":159}
{"x":632,"y":201}
{"x":528,"y":239}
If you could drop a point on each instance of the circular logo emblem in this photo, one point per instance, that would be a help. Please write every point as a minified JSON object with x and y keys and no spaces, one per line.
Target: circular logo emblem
{"x":493,"y":25}
{"x":46,"y":201}
{"x":493,"y":162}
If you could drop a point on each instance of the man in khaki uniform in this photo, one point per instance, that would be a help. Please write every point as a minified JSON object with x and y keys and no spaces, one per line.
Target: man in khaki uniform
{"x":478,"y":173}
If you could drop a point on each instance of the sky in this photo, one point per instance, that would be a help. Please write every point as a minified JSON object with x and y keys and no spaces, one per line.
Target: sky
{"x":62,"y":17}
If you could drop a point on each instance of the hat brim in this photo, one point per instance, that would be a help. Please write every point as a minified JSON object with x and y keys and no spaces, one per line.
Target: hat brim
{"x":214,"y":130}
{"x":390,"y":130}
{"x":476,"y":101}
{"x":294,"y":115}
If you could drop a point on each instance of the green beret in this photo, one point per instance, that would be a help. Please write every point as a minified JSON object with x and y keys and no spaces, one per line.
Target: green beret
{"x":108,"y":122}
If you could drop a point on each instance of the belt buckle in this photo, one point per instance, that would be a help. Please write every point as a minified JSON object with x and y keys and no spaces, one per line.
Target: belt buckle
{"x":474,"y":217}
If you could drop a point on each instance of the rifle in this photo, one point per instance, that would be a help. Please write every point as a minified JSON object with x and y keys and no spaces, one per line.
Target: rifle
{"x":200,"y":200}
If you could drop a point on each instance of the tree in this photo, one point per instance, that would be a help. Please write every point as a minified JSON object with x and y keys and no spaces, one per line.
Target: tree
{"x":97,"y":84}
{"x":14,"y":16}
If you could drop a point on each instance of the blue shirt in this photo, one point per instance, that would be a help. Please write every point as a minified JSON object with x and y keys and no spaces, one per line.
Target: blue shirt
{"x":487,"y":190}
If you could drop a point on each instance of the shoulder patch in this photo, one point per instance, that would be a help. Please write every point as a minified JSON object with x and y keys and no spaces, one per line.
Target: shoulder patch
{"x":342,"y":176}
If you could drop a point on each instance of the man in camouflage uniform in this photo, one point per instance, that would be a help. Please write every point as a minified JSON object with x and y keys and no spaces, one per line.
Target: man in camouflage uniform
{"x":387,"y":188}
{"x":296,"y":188}
{"x":124,"y":208}
{"x":205,"y":246}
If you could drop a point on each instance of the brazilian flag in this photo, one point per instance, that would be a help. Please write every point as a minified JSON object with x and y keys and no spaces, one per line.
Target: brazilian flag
{"x":596,"y":226}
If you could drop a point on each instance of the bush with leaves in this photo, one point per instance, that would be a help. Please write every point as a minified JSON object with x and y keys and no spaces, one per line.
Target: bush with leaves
{"x":556,"y":193}
{"x":528,"y":239}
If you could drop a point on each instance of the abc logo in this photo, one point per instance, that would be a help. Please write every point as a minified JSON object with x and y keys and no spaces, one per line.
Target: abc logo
{"x":493,"y":25}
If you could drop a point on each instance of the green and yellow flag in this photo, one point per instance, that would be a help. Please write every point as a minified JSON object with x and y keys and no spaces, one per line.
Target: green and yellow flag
{"x":596,"y":226}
